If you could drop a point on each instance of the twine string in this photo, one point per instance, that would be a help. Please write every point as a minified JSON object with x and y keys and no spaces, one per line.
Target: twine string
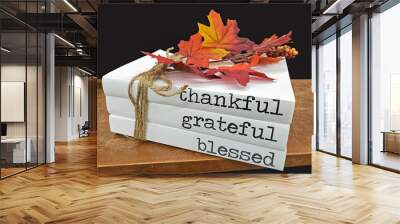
{"x":146,"y":80}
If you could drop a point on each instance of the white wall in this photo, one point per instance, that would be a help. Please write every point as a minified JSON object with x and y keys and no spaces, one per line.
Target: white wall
{"x":16,"y":73}
{"x":12,"y":73}
{"x":34,"y":125}
{"x":62,"y":81}
{"x":71,"y":102}
{"x":80,"y":109}
{"x":13,"y":101}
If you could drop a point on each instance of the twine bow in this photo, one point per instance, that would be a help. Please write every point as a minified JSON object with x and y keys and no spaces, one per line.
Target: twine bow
{"x":145,"y":82}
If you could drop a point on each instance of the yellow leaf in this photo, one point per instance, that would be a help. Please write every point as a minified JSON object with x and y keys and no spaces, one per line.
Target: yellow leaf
{"x":218,"y":35}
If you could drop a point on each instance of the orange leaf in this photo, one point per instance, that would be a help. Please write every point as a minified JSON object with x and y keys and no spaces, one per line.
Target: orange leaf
{"x":217,"y":35}
{"x":241,"y":72}
{"x":254,"y":60}
{"x":273,"y":41}
{"x":269,"y":60}
{"x":196,"y":54}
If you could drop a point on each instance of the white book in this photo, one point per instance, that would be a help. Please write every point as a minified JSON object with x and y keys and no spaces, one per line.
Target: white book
{"x":261,"y":133}
{"x":260,"y":100}
{"x":202,"y":143}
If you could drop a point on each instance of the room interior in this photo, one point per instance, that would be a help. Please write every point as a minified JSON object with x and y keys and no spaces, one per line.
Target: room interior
{"x":55,"y":129}
{"x":385,"y":89}
{"x":24,"y":65}
{"x":22,"y":102}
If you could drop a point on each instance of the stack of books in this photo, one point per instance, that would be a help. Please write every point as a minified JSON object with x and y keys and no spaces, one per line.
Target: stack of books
{"x":218,"y":117}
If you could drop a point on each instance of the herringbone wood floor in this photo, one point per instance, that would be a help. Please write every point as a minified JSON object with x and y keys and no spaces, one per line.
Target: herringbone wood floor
{"x":70,"y":191}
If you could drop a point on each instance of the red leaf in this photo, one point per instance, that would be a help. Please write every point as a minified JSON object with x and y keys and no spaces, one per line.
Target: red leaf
{"x":210,"y":73}
{"x":273,"y":41}
{"x":241,"y":72}
{"x":241,"y":77}
{"x":198,"y":55}
{"x":178,"y":65}
{"x":160,"y":59}
{"x":259,"y":74}
{"x":189,"y":68}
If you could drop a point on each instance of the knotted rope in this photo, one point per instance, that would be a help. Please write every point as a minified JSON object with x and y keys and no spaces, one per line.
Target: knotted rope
{"x":146,"y":80}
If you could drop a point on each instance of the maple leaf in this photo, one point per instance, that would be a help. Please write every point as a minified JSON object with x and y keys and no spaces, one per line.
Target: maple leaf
{"x":198,"y":55}
{"x":188,"y":68}
{"x":273,"y":41}
{"x":217,"y":35}
{"x":241,"y":72}
{"x":179,"y":65}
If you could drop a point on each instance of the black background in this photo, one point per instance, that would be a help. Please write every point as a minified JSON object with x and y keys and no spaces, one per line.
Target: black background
{"x":126,"y":29}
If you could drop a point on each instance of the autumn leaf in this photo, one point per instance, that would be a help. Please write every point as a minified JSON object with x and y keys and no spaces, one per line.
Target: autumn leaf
{"x":188,"y":68}
{"x":254,"y":60}
{"x":217,"y":35}
{"x":241,"y":77}
{"x":241,"y":72}
{"x":273,"y":41}
{"x":269,"y":60}
{"x":198,"y":55}
{"x":180,"y":66}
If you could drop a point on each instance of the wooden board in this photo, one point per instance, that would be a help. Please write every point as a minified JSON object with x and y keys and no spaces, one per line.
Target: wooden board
{"x":117,"y":154}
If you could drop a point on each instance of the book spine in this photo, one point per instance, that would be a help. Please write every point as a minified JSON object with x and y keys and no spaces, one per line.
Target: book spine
{"x":263,"y":109}
{"x":202,"y":143}
{"x":261,"y":133}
